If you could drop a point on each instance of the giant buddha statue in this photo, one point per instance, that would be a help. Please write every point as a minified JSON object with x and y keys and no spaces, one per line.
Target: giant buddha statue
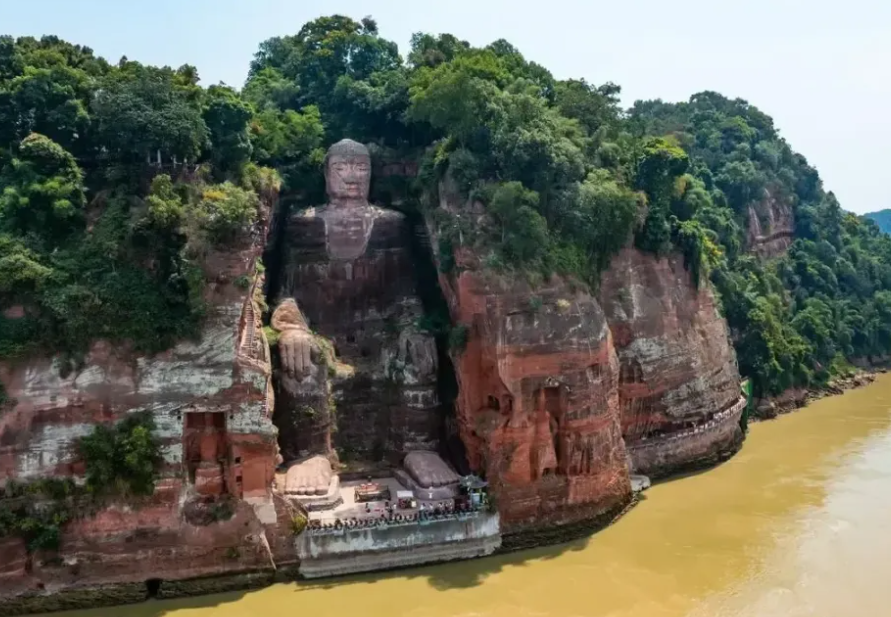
{"x":348,"y":283}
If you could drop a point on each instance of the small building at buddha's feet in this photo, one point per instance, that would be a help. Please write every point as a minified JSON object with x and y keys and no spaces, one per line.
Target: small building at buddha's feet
{"x":424,"y":513}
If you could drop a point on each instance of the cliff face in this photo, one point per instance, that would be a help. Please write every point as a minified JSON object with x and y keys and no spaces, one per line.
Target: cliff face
{"x":538,"y":402}
{"x":562,"y":394}
{"x":211,"y":402}
{"x":678,"y":373}
{"x":771,"y":225}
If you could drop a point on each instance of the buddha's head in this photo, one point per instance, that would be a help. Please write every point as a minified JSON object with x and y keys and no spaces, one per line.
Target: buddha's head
{"x":348,"y":173}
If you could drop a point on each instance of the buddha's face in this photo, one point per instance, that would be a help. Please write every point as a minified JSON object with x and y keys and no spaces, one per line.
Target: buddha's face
{"x":348,"y":177}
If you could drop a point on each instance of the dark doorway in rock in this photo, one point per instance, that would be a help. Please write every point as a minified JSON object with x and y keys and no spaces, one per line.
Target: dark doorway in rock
{"x":152,"y":587}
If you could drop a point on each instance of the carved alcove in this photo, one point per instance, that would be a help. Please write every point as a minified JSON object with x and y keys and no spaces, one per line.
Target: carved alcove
{"x":549,"y":405}
{"x":205,"y":450}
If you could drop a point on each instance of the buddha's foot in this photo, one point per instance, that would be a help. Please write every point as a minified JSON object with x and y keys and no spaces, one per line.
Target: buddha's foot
{"x":311,"y":477}
{"x":429,"y":470}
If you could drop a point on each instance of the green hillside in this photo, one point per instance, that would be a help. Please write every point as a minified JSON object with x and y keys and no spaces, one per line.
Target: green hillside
{"x":101,"y":232}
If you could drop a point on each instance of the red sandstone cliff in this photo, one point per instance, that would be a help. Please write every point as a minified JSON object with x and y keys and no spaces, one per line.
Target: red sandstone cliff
{"x":537,"y":408}
{"x":211,"y":401}
{"x":771,"y":225}
{"x":679,"y":383}
{"x":538,"y":403}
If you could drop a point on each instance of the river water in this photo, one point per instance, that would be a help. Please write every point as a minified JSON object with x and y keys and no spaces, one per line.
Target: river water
{"x":798,"y":523}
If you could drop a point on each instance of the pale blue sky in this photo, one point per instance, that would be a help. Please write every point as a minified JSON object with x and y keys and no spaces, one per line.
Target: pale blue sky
{"x":821,"y":69}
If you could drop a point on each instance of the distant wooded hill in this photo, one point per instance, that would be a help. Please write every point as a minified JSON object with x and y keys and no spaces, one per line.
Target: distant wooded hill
{"x":882,"y":218}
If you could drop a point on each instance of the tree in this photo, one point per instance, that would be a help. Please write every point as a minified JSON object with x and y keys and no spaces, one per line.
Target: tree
{"x":44,"y":193}
{"x":594,"y":107}
{"x":142,"y":112}
{"x":226,"y":211}
{"x":602,"y":218}
{"x":292,"y":143}
{"x":431,"y":51}
{"x":315,"y":60}
{"x":227,"y":118}
{"x":524,"y":233}
{"x":661,"y":164}
{"x":122,"y":460}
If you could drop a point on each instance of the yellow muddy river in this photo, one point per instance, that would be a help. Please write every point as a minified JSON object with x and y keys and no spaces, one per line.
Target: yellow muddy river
{"x":798,"y":523}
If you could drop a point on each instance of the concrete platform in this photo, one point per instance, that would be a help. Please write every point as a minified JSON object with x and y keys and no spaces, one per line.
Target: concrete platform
{"x":387,"y":546}
{"x":347,"y":508}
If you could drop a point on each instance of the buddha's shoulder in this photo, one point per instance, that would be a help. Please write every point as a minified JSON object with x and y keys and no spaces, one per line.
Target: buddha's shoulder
{"x":386,"y":213}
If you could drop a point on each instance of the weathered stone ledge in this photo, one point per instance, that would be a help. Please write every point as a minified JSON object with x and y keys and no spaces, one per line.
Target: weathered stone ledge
{"x":697,"y":448}
{"x":559,"y":534}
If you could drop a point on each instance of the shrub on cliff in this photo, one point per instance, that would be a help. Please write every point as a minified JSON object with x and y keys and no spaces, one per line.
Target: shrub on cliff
{"x":37,"y":511}
{"x":43,"y":192}
{"x":226,"y":212}
{"x":122,"y":460}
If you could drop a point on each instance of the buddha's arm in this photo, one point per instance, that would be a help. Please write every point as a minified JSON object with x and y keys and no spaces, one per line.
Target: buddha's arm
{"x":296,"y":346}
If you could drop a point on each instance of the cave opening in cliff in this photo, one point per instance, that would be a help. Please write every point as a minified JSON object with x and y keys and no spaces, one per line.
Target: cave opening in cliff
{"x":153,"y":587}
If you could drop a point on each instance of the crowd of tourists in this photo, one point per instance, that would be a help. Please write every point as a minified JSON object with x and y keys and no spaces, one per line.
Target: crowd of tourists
{"x":392,"y":515}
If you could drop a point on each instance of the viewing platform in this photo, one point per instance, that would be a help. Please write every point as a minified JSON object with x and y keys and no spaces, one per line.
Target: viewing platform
{"x":394,"y":531}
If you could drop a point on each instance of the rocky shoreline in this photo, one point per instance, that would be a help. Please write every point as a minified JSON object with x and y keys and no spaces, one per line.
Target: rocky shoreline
{"x":560,"y":534}
{"x":794,"y":399}
{"x":120,"y":594}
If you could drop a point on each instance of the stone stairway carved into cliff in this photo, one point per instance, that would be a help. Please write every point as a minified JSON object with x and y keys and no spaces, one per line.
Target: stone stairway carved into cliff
{"x":248,"y":330}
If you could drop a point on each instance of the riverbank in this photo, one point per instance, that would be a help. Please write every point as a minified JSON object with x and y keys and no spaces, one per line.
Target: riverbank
{"x":122,"y":594}
{"x":49,"y":600}
{"x":794,"y":399}
{"x":793,"y":525}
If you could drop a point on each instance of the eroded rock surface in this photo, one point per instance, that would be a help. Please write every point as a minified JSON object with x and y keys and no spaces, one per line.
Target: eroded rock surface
{"x":677,"y":366}
{"x":771,"y":225}
{"x":538,"y":407}
{"x":211,"y":400}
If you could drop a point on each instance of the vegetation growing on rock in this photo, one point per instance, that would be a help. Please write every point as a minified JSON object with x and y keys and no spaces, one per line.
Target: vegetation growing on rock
{"x":113,"y":179}
{"x":121,"y":461}
{"x":99,"y":237}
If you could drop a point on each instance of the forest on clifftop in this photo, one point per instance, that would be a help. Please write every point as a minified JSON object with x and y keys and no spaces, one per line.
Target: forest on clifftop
{"x":115,"y":180}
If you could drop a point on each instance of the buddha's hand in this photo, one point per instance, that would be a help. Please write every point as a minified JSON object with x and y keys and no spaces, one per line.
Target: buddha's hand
{"x":296,"y":352}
